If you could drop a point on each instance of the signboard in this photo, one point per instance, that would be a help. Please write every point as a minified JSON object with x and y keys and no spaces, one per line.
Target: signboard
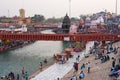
{"x":66,"y":39}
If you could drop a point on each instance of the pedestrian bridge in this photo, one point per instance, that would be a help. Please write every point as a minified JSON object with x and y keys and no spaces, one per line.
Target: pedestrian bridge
{"x":60,"y":37}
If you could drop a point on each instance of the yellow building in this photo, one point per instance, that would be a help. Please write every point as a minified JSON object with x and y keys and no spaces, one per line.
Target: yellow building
{"x":22,"y":13}
{"x":24,"y":21}
{"x":20,"y":22}
{"x":28,"y":20}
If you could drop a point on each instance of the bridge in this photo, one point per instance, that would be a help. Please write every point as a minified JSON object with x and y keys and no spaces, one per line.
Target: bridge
{"x":60,"y":37}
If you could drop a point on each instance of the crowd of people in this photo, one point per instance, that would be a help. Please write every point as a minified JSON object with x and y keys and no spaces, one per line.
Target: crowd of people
{"x":12,"y":44}
{"x":82,"y":67}
{"x":24,"y":75}
{"x":115,"y":65}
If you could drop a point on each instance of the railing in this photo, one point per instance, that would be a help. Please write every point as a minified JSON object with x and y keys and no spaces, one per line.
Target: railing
{"x":61,"y":37}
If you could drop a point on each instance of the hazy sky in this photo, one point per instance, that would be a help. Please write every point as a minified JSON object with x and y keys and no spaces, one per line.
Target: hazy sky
{"x":56,"y":8}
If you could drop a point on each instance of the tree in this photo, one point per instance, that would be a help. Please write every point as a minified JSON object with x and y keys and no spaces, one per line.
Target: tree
{"x":38,"y":18}
{"x":83,"y":17}
{"x":54,"y":20}
{"x":74,"y":19}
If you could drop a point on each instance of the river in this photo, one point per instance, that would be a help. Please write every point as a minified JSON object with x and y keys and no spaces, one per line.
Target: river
{"x":29,"y":56}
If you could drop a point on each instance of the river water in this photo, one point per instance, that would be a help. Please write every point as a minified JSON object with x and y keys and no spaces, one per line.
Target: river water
{"x":29,"y":56}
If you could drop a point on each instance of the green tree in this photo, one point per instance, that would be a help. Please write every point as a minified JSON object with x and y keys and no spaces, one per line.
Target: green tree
{"x":54,"y":20}
{"x":38,"y":18}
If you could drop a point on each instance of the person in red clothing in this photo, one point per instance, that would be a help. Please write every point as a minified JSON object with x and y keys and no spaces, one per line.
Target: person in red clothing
{"x":76,"y":66}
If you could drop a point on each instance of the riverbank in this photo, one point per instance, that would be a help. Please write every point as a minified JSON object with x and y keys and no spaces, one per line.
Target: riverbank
{"x":40,"y":70}
{"x":99,"y":71}
{"x":25,"y":43}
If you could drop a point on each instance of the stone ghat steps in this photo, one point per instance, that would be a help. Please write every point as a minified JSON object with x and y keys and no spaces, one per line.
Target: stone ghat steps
{"x":99,"y":71}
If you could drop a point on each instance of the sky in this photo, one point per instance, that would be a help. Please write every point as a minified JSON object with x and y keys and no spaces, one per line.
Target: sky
{"x":56,"y":8}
